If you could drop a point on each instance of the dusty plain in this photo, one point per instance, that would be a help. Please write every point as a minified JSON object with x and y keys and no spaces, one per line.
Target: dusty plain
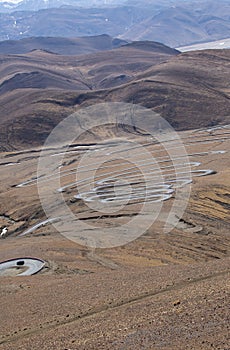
{"x":162,"y":291}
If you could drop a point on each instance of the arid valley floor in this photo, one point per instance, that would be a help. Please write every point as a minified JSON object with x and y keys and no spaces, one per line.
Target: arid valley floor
{"x":165,"y":291}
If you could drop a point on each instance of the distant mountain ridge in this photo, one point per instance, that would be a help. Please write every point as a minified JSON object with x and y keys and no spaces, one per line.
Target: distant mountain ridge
{"x":62,"y":46}
{"x":35,"y":5}
{"x":173,"y":22}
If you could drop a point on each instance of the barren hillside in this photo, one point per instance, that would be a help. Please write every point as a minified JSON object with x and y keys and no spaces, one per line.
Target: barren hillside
{"x":38,"y":89}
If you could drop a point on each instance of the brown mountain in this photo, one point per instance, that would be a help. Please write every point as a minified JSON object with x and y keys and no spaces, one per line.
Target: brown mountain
{"x":63,"y":46}
{"x":39,"y":89}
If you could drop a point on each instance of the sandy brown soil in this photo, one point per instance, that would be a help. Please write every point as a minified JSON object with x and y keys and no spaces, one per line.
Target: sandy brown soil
{"x":161,"y":291}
